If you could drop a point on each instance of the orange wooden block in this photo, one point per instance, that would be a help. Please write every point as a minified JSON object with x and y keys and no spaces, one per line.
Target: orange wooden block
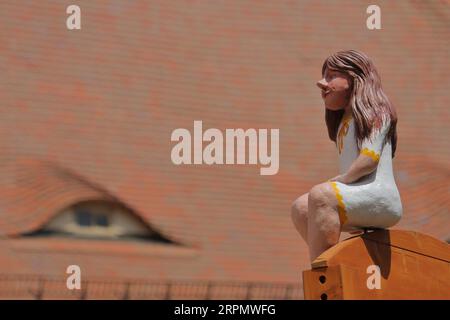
{"x":383,"y":264}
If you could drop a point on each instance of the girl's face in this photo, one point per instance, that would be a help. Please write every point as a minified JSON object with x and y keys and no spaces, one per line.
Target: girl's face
{"x":336,"y":89}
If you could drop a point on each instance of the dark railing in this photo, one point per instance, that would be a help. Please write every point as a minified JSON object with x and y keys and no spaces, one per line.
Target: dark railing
{"x":42,"y":287}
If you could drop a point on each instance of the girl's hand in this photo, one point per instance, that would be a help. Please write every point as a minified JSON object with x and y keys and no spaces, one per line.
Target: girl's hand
{"x":340,"y":178}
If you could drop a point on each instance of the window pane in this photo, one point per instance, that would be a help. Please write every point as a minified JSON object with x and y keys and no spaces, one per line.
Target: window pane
{"x":84,"y":217}
{"x":102,"y":220}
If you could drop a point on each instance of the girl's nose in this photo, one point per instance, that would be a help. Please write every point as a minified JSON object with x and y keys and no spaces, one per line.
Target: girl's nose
{"x":322,"y":84}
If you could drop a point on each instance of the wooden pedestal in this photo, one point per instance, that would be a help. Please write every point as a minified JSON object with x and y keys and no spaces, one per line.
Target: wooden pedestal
{"x":411,"y":266}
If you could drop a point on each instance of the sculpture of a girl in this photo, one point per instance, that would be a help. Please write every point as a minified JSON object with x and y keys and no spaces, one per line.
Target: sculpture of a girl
{"x":362,"y":122}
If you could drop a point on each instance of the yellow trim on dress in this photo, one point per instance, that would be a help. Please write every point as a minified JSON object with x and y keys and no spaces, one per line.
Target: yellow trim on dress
{"x":343,"y":132}
{"x":370,"y":153}
{"x":341,"y":206}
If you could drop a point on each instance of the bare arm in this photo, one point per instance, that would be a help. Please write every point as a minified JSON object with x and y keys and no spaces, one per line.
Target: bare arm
{"x":367,"y":160}
{"x":362,"y":166}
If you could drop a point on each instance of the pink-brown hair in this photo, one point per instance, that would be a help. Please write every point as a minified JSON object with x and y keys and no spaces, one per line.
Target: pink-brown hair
{"x":369,"y":104}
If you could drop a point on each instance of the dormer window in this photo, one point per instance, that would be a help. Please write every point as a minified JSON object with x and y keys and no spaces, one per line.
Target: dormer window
{"x":102,"y":220}
{"x":87,"y":218}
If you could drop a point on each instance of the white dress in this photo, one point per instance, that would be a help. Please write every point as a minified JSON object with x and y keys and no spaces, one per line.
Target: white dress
{"x":373,"y":201}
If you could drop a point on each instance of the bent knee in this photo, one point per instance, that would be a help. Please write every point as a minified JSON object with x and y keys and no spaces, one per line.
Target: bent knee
{"x":322,"y":194}
{"x":299,"y":207}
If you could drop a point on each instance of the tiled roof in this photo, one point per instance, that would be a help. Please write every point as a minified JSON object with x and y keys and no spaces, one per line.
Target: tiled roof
{"x":89,"y":113}
{"x":424,"y":188}
{"x":33,"y":191}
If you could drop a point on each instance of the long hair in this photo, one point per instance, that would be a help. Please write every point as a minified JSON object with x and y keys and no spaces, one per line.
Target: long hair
{"x":369,"y":104}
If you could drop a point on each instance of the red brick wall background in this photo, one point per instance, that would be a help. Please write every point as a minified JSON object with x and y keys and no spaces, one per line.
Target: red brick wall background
{"x":102,"y":101}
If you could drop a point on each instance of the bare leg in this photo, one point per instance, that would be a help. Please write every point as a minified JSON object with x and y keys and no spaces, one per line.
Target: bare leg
{"x":324,"y":227}
{"x":299,"y":216}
